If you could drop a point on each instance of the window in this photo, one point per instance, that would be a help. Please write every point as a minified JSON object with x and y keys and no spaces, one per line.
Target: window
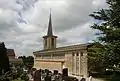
{"x":81,"y":53}
{"x":52,"y":42}
{"x":77,"y":54}
{"x":73,"y":54}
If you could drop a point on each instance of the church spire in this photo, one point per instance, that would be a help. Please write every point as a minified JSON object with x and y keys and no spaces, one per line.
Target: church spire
{"x":50,"y":39}
{"x":50,"y":33}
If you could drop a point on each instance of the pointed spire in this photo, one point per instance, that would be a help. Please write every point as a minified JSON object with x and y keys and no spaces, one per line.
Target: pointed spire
{"x":50,"y":33}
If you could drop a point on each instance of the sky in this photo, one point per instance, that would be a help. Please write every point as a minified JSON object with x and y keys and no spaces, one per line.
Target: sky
{"x":23,"y":23}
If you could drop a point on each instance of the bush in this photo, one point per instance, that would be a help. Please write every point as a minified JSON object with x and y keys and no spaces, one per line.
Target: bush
{"x":18,"y":79}
{"x":115,"y":76}
{"x":24,"y":77}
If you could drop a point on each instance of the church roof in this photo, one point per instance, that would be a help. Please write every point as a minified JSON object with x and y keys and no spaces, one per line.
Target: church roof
{"x":10,"y":52}
{"x":66,"y":48}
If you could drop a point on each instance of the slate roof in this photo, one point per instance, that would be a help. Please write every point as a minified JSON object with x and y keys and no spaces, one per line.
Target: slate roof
{"x":66,"y":48}
{"x":10,"y":52}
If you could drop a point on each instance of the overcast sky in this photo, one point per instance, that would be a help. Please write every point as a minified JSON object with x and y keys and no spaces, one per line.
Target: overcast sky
{"x":24,"y":22}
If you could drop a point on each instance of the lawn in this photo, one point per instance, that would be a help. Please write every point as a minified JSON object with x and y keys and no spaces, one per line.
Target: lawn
{"x":18,"y":79}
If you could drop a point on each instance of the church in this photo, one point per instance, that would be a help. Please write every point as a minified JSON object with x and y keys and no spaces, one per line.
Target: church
{"x":73,"y":57}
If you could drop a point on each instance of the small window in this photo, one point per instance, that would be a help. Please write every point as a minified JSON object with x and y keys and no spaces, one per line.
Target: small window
{"x":77,"y":54}
{"x":73,"y":54}
{"x":81,"y":53}
{"x":52,"y":42}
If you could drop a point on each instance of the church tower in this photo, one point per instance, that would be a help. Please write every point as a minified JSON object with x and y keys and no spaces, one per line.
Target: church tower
{"x":49,"y":39}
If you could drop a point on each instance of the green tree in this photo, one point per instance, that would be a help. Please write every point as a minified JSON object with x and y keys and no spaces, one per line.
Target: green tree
{"x":115,"y":77}
{"x":28,"y":61}
{"x":109,"y":29}
{"x":4,"y":61}
{"x":24,"y":77}
{"x":96,"y":58}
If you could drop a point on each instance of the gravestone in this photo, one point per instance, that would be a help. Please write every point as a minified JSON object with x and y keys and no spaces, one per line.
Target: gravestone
{"x":46,"y":70}
{"x":65,"y":78}
{"x":83,"y":79}
{"x":37,"y":75}
{"x":55,"y":72}
{"x":65,"y":72}
{"x":48,"y":78}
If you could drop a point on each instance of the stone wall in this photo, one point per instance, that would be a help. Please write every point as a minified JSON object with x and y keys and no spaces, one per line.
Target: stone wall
{"x":68,"y":62}
{"x":51,"y":65}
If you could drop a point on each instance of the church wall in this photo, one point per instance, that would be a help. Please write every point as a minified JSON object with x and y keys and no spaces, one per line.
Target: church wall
{"x":84,"y":65}
{"x":48,"y":65}
{"x":68,"y":62}
{"x":76,"y":62}
{"x":36,"y":64}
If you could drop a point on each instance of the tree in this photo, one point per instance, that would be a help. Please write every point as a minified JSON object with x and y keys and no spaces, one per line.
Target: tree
{"x":109,"y":29}
{"x":95,"y":58}
{"x":28,"y":61}
{"x":4,"y":61}
{"x":24,"y":77}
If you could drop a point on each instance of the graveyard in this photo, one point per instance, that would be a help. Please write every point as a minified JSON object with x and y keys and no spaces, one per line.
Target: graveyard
{"x":46,"y":75}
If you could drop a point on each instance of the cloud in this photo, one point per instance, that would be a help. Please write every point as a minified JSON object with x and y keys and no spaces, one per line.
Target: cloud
{"x":98,"y":3}
{"x":9,"y":4}
{"x":7,"y":19}
{"x":24,"y":22}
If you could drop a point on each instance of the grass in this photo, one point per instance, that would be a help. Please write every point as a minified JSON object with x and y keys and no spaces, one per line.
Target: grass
{"x":18,"y":79}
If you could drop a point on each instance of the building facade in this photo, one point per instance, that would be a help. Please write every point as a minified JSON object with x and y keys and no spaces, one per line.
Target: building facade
{"x":73,"y":57}
{"x":11,"y":53}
